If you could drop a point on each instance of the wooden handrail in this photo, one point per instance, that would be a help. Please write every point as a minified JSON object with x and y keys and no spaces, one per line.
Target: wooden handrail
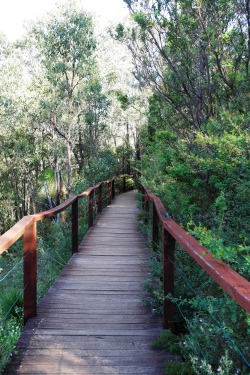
{"x":231,"y":282}
{"x":56,"y":210}
{"x":13,"y":234}
{"x":27,"y":227}
{"x":86,"y":193}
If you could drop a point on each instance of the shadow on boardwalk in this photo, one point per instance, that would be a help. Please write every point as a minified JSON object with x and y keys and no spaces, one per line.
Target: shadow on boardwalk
{"x":92,"y":320}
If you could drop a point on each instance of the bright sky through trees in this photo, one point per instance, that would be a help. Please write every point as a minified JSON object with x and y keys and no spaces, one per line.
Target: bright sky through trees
{"x":14,"y":13}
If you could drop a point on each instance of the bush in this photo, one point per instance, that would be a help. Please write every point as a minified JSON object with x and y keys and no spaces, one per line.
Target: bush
{"x":213,"y":331}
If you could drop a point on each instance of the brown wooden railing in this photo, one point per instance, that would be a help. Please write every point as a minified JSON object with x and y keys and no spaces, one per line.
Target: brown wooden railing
{"x":232,"y":283}
{"x":26,"y":227}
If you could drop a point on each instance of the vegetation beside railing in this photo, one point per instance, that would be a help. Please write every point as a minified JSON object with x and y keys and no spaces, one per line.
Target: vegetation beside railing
{"x":46,"y":250}
{"x":212,"y":329}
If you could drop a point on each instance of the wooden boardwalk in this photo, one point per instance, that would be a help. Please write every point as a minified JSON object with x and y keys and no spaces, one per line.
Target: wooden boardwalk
{"x":92,"y":320}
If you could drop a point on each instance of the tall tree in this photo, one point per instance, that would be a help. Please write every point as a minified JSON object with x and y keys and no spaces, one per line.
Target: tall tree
{"x":195,"y":54}
{"x":66,"y":44}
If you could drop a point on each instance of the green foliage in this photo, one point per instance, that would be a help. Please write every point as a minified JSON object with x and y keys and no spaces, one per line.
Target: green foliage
{"x":124,"y":154}
{"x":173,"y":344}
{"x":11,"y":303}
{"x":123,"y":99}
{"x":9,"y":333}
{"x":119,"y":183}
{"x":204,"y":315}
{"x":54,"y":250}
{"x":201,"y":173}
{"x":100,"y":168}
{"x":119,"y":31}
{"x":54,"y":253}
{"x":142,"y":20}
{"x":173,"y":368}
{"x":236,"y":256}
{"x":67,"y":43}
{"x":168,"y":341}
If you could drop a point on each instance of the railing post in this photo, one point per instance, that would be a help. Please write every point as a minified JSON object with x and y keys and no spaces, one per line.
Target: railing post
{"x":155,"y":229}
{"x":74,"y":222}
{"x":30,"y":272}
{"x":91,"y":202}
{"x":113,"y":188}
{"x":168,"y":250}
{"x":100,"y":198}
{"x":109,"y":192}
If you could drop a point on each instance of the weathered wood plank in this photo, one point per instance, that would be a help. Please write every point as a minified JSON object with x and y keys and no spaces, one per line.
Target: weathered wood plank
{"x":69,"y":368}
{"x":93,"y":320}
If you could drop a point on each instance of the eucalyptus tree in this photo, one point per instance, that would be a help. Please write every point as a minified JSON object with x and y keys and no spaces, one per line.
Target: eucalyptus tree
{"x":128,"y":107}
{"x":91,"y":121}
{"x":66,"y":46}
{"x":20,"y":146}
{"x":195,"y":54}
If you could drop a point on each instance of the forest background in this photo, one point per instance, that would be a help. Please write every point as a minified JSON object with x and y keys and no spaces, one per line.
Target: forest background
{"x":174,"y":104}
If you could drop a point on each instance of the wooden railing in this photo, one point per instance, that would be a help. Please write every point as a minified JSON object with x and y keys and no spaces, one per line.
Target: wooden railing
{"x":232,"y":283}
{"x":26,"y":227}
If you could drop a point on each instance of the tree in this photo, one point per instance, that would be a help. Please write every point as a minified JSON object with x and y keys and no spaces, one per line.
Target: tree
{"x":195,"y":54}
{"x":66,"y":45}
{"x":91,"y":121}
{"x":21,"y":148}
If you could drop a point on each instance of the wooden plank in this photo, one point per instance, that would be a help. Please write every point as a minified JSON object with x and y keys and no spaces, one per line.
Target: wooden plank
{"x":81,"y":353}
{"x":89,"y":342}
{"x":88,"y":370}
{"x":79,"y":359}
{"x":104,"y":321}
{"x":92,"y":326}
{"x":92,"y":319}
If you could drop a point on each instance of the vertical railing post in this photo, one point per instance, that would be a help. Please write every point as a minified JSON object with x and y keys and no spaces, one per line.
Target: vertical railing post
{"x":109,"y":192}
{"x":113,"y":188}
{"x":168,"y":255}
{"x":100,"y":198}
{"x":155,"y":229}
{"x":30,"y":272}
{"x":74,"y":221}
{"x":91,"y":205}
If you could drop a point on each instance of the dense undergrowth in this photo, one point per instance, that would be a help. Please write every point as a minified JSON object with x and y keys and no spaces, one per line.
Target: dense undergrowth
{"x":212,"y":331}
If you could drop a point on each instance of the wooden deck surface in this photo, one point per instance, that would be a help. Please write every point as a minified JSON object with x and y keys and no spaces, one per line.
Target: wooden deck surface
{"x":93,"y":320}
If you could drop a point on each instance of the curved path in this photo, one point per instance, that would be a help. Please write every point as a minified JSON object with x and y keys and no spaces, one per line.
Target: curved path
{"x":93,"y":320}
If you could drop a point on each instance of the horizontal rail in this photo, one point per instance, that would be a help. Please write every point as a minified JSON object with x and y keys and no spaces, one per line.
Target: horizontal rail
{"x":13,"y":234}
{"x":232,"y":283}
{"x":86,"y":193}
{"x":56,"y":210}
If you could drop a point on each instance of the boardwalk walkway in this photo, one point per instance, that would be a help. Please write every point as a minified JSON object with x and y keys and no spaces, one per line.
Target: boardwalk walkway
{"x":92,"y":320}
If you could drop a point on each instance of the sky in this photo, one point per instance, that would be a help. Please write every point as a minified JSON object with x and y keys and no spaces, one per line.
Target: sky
{"x":14,"y":13}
